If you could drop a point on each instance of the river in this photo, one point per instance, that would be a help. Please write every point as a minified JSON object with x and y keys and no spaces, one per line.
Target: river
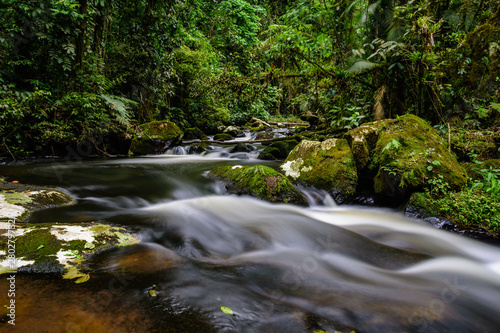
{"x":277,"y":267}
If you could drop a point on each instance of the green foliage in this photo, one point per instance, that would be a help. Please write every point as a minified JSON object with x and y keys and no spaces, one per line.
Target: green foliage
{"x":393,"y":144}
{"x":355,"y":119}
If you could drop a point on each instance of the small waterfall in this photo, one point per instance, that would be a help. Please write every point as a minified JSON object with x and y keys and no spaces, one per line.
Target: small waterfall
{"x":178,"y":150}
{"x":317,"y":197}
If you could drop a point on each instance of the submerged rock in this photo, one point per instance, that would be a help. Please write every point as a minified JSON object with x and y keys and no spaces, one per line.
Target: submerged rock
{"x":259,"y":181}
{"x":404,"y":154}
{"x":327,"y":165}
{"x":155,"y":138}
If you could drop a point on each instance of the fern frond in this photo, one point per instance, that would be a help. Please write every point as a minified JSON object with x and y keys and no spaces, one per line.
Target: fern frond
{"x":121,"y":108}
{"x":361,"y":66}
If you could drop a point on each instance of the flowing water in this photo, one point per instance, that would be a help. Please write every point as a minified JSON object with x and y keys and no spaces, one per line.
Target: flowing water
{"x":279,"y":268}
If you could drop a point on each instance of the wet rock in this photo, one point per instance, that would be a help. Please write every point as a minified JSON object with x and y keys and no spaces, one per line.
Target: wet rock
{"x":264,"y":135}
{"x":155,"y":138}
{"x":241,"y":148}
{"x":194,"y":133}
{"x":278,"y":150}
{"x":259,"y":181}
{"x":20,"y":200}
{"x":327,"y":165}
{"x":313,"y":120}
{"x":241,"y":156}
{"x":59,"y":248}
{"x":232,"y":130}
{"x":223,"y":137}
{"x":198,"y":148}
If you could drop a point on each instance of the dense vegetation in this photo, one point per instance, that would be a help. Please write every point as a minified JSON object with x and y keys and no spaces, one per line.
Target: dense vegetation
{"x":69,"y":68}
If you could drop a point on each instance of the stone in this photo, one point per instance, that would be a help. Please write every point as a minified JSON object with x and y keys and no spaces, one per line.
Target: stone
{"x":223,"y":137}
{"x":258,"y":181}
{"x":328,"y":165}
{"x":278,"y":150}
{"x":155,"y":138}
{"x":404,"y":154}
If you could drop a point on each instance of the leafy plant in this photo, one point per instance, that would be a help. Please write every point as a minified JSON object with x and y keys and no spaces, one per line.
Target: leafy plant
{"x":393,"y":144}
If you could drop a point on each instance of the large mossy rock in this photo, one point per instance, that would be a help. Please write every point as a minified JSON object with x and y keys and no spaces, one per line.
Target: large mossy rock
{"x":327,"y":165}
{"x":258,"y":181}
{"x":194,"y":133}
{"x":278,"y":150}
{"x":155,"y":137}
{"x":404,"y":154}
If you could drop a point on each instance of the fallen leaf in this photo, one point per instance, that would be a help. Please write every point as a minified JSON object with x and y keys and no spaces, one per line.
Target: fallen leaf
{"x":227,"y":310}
{"x":83,"y":279}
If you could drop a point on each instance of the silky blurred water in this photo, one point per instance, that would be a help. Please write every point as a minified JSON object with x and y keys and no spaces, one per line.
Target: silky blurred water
{"x":280,"y":268}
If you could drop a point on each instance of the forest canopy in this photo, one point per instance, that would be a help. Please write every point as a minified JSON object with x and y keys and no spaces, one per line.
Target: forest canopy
{"x":69,"y":68}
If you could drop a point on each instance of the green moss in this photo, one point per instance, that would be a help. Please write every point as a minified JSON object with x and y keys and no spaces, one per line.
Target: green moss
{"x":259,"y":181}
{"x":468,"y":209}
{"x":193,"y":134}
{"x":75,"y":245}
{"x":223,"y":137}
{"x":37,"y":245}
{"x":466,"y":142}
{"x":328,"y":165}
{"x":405,"y":153}
{"x":155,"y":137}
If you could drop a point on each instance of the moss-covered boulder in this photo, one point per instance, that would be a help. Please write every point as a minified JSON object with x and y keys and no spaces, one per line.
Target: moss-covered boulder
{"x":327,"y":165}
{"x":241,"y":148}
{"x":198,"y":148}
{"x":278,"y":150}
{"x":194,"y":133}
{"x":404,"y":154}
{"x":258,"y":181}
{"x":155,"y":137}
{"x":223,"y":137}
